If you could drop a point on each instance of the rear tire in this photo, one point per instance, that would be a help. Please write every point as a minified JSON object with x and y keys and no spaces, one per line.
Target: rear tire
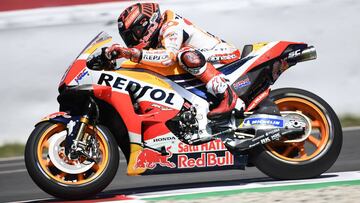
{"x":278,"y":161}
{"x":80,"y":188}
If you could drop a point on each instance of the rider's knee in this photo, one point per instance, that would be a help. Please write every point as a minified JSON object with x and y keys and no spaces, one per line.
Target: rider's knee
{"x":192,"y":61}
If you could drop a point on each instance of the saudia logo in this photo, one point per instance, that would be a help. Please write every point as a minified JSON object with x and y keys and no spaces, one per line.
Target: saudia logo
{"x":217,"y":157}
{"x":136,"y":88}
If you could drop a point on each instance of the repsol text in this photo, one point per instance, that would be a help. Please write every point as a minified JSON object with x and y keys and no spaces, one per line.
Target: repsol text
{"x":135,"y":88}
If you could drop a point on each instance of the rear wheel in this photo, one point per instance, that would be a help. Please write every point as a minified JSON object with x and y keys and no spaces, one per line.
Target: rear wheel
{"x":311,"y":157}
{"x":66,"y":178}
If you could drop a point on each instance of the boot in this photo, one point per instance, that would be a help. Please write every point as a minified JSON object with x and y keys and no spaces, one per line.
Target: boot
{"x":217,"y":86}
{"x":227,"y":104}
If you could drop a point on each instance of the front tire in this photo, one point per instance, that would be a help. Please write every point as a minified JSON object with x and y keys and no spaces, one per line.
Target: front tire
{"x":311,"y":157}
{"x":69,"y":179}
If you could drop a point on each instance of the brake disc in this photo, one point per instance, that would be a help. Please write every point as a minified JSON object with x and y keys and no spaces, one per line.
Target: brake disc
{"x":55,"y":149}
{"x":295,"y":119}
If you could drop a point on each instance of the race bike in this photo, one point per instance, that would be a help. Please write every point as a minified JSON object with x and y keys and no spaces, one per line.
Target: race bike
{"x":150,"y":112}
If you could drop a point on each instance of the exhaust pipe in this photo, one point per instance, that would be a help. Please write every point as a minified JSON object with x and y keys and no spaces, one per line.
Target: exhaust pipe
{"x":305,"y":55}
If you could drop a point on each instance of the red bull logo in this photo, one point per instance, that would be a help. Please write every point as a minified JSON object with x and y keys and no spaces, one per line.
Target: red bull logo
{"x":150,"y":158}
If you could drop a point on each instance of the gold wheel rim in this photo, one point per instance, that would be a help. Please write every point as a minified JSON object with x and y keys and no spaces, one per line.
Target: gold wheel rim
{"x":62,"y":177}
{"x":314,"y":144}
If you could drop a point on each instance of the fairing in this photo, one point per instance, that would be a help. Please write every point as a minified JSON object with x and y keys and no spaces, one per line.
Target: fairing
{"x":160,"y":94}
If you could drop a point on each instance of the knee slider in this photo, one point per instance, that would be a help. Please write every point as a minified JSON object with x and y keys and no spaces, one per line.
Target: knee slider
{"x":192,"y":59}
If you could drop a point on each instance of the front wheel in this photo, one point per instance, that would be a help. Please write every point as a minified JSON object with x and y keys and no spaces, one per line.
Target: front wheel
{"x":311,"y":157}
{"x":67,"y":178}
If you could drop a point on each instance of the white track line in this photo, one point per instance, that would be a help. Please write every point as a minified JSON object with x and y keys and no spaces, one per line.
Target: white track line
{"x":20,"y":158}
{"x":12,"y":171}
{"x":33,"y":200}
{"x":355,"y":128}
{"x":339,"y":176}
{"x":23,"y":169}
{"x":12,"y":164}
{"x":16,"y":158}
{"x":126,"y":201}
{"x":139,"y":198}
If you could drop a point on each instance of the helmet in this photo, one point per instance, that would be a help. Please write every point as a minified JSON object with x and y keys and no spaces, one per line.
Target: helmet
{"x":139,"y":25}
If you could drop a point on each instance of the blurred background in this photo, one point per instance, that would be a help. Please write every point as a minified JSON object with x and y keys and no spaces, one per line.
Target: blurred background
{"x":39,"y":39}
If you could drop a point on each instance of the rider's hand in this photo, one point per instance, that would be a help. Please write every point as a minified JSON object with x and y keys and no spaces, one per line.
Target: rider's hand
{"x":116,"y":51}
{"x":100,"y":61}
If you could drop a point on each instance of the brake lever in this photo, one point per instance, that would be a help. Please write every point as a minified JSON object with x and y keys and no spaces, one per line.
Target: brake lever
{"x":114,"y":55}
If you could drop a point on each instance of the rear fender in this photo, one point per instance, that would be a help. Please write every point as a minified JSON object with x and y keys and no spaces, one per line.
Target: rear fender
{"x":275,"y":50}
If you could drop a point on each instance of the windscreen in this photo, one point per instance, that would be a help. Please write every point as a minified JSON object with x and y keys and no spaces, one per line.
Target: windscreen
{"x":94,"y":44}
{"x":101,"y":39}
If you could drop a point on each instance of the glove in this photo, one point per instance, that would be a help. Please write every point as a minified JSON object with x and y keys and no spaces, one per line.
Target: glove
{"x":116,"y":51}
{"x":100,"y":61}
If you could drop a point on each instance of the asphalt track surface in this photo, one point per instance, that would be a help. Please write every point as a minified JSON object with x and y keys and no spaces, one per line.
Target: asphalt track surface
{"x":16,"y":185}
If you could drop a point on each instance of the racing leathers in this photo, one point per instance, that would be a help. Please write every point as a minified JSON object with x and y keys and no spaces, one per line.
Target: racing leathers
{"x":197,"y":51}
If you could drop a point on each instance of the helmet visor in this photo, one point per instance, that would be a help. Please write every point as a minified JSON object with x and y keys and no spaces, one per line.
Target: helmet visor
{"x":129,"y":38}
{"x":133,"y":35}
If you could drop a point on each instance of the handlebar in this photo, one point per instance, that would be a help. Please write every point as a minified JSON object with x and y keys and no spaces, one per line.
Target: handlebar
{"x":102,"y":61}
{"x":114,"y":55}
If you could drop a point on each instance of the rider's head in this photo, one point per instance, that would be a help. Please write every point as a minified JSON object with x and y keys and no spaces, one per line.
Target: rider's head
{"x":139,"y":25}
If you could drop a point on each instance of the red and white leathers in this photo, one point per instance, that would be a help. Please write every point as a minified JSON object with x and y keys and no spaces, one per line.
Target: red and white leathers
{"x":178,"y":34}
{"x":197,"y":51}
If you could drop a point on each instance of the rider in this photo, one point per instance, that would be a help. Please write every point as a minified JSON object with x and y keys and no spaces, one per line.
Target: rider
{"x":162,"y":40}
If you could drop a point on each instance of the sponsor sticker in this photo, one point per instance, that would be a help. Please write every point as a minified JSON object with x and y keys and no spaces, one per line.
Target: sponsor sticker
{"x":136,"y":88}
{"x":258,"y":99}
{"x":154,"y":57}
{"x":164,"y":139}
{"x":210,"y":159}
{"x":81,"y":75}
{"x":210,"y":154}
{"x":242,"y":83}
{"x":150,"y":158}
{"x":264,"y":121}
{"x":222,"y":57}
{"x":215,"y":145}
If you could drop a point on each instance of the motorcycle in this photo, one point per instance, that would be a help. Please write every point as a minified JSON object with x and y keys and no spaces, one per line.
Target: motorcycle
{"x":150,"y":112}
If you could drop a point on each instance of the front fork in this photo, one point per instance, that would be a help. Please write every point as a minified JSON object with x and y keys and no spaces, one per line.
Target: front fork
{"x":76,"y":140}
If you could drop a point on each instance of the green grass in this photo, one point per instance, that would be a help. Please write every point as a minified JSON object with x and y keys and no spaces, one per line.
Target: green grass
{"x":299,"y":187}
{"x":12,"y":149}
{"x":349,"y":120}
